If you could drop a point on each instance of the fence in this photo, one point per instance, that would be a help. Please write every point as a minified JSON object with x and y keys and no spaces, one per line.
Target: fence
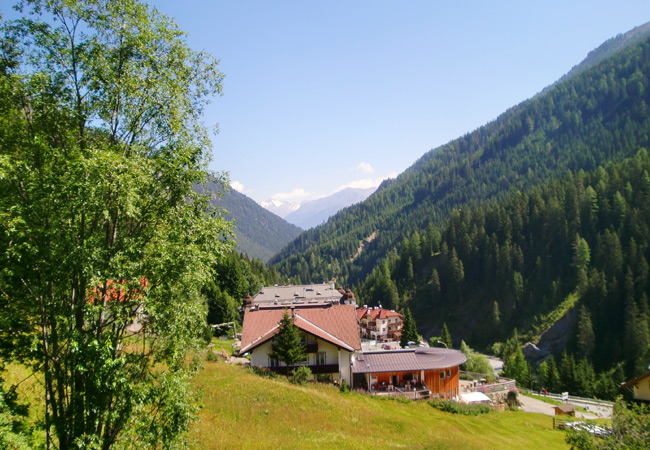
{"x":572,"y":398}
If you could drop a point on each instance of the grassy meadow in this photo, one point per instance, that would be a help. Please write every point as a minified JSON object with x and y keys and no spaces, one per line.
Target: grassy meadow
{"x":242,"y":410}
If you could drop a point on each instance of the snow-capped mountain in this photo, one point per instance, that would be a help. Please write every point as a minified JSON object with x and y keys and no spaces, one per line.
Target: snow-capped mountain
{"x":279,"y":208}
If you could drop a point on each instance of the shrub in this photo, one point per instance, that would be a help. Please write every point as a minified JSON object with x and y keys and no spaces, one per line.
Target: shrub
{"x":460,"y":408}
{"x":211,"y":356}
{"x":300,"y":375}
{"x":344,"y":387}
{"x":207,"y":334}
{"x":512,"y":399}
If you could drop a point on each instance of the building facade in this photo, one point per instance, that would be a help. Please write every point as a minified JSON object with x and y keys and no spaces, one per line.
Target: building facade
{"x":329,"y":334}
{"x":432,"y":372}
{"x":379,"y":324}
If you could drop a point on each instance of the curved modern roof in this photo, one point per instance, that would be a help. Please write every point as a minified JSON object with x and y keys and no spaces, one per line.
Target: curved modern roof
{"x":408,"y":360}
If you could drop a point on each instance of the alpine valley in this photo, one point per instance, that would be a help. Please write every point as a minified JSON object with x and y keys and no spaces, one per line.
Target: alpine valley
{"x":536,"y":222}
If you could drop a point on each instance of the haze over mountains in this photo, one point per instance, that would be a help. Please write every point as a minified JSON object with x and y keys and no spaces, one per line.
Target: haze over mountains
{"x":312,"y":213}
{"x":279,"y":207}
{"x":316,"y":212}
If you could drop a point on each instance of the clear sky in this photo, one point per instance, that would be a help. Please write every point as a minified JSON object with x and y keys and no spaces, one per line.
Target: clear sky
{"x":319,"y":95}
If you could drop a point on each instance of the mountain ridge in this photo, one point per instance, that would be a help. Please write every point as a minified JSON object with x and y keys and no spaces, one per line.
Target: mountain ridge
{"x":259,"y":233}
{"x":577,"y":123}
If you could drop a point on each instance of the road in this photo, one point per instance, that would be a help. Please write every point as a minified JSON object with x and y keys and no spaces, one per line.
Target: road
{"x":529,"y":404}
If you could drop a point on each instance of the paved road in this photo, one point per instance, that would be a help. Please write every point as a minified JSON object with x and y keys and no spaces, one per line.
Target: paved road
{"x":529,"y":404}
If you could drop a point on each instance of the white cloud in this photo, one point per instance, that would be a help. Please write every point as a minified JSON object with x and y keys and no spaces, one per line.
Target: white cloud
{"x":365,"y":167}
{"x":365,"y":183}
{"x":236,"y":185}
{"x":294,"y":195}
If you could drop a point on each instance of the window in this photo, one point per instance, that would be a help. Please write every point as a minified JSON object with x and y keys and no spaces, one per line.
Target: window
{"x":273,"y":362}
{"x":321,"y":357}
{"x":442,"y":374}
{"x":448,"y":373}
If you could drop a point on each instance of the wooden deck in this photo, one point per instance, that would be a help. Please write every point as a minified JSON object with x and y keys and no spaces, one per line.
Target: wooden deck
{"x":420,"y":391}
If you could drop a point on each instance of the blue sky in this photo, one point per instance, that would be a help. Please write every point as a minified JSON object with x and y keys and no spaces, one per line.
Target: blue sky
{"x":319,"y":95}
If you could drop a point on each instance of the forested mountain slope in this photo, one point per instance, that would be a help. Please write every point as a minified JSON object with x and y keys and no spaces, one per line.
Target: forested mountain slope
{"x":610,"y":47}
{"x":259,"y":233}
{"x":596,"y":116}
{"x":578,"y":243}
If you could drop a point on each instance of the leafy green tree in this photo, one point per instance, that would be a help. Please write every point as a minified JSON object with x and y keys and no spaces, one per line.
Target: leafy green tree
{"x":101,"y":145}
{"x":287,"y":345}
{"x":476,"y":362}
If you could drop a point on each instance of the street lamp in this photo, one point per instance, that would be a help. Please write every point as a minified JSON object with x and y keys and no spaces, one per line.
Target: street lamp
{"x":440,"y":342}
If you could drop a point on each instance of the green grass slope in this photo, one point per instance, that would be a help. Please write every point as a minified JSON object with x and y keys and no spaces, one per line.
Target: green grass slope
{"x":241,"y":410}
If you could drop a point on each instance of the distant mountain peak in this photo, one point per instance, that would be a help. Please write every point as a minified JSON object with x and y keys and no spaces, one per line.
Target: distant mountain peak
{"x":315,"y":212}
{"x":279,"y":208}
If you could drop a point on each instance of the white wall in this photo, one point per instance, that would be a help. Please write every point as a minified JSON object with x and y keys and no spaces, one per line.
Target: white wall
{"x":260,"y":357}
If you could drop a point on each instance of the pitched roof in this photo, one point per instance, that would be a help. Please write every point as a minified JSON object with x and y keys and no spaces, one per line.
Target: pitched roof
{"x":376,"y":313}
{"x":115,"y":292}
{"x":634,"y":381}
{"x":336,"y":324}
{"x":565,"y":408}
{"x":408,"y":360}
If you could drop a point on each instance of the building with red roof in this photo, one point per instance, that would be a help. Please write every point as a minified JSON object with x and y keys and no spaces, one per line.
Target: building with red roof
{"x":329,"y":333}
{"x":379,"y":324}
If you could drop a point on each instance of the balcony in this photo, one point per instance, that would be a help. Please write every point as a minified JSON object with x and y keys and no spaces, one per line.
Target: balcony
{"x":311,"y":347}
{"x":315,"y":369}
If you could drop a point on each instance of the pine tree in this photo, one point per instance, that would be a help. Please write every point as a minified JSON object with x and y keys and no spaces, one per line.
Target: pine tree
{"x":586,"y":339}
{"x":446,"y":337}
{"x":287,"y":346}
{"x":409,"y":329}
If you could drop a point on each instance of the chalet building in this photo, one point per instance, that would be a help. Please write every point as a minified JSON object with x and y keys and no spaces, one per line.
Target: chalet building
{"x":310,"y":294}
{"x":329,"y":333}
{"x":419,"y":373}
{"x":380,"y":324}
{"x":640,"y":387}
{"x":128,"y":303}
